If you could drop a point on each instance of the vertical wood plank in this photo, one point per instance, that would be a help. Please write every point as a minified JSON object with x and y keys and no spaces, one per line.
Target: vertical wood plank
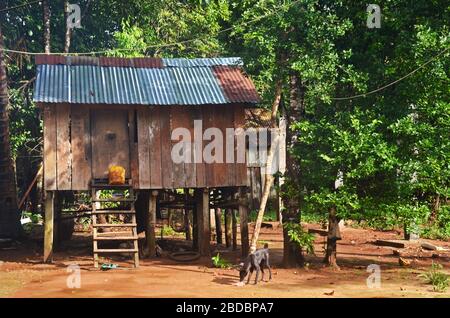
{"x":230,"y":167}
{"x":50,"y":145}
{"x":179,"y":117}
{"x":221,"y":168}
{"x":166,"y":160}
{"x":81,"y":148}
{"x":63,"y":156}
{"x":190,"y":168}
{"x":208,"y":122}
{"x":48,"y":227}
{"x":134,"y":144}
{"x":144,"y":145}
{"x":241,"y":168}
{"x":155,"y":147}
{"x":197,"y":114}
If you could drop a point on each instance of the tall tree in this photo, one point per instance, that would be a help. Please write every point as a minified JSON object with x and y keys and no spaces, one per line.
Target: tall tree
{"x":9,"y":216}
{"x":46,"y":22}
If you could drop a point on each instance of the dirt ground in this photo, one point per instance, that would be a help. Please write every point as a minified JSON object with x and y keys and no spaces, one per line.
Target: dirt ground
{"x":22,"y":273}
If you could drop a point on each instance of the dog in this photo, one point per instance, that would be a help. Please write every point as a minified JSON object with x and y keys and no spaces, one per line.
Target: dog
{"x":256,"y":261}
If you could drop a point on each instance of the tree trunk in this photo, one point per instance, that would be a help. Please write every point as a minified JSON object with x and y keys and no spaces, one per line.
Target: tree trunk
{"x":334,"y":234}
{"x":68,"y":30}
{"x":46,"y":22}
{"x":292,"y":254}
{"x":9,"y":214}
{"x":268,"y":176}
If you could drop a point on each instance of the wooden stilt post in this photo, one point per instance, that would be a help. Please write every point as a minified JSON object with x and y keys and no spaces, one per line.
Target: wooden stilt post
{"x":243,"y":216}
{"x":151,"y":225}
{"x":203,"y":226}
{"x":195,"y":218}
{"x":187,"y":225}
{"x":234,"y":228}
{"x":187,"y":220}
{"x":212,"y":224}
{"x":218,"y":213}
{"x":57,"y":208}
{"x":228,"y":234}
{"x":48,"y":226}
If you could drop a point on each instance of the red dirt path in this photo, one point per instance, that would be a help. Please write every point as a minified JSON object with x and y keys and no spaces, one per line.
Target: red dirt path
{"x":22,"y":274}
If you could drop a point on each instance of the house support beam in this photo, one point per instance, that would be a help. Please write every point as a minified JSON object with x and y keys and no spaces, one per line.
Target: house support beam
{"x":150,"y":234}
{"x":243,"y":215}
{"x":203,"y":220}
{"x":48,"y":226}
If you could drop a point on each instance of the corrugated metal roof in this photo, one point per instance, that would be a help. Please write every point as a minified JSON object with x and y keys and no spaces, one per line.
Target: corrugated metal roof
{"x":237,"y":87}
{"x":202,"y":62}
{"x":144,"y":62}
{"x":145,"y":81}
{"x":87,"y":84}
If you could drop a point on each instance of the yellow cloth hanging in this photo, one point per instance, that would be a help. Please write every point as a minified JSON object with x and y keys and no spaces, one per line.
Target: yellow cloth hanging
{"x":116,"y":175}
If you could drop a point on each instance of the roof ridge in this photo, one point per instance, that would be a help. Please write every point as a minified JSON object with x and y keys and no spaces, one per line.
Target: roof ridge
{"x":138,"y":62}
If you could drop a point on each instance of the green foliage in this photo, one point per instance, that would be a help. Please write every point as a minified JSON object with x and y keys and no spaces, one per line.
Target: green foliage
{"x":173,"y":29}
{"x":219,"y":262}
{"x":111,"y":194}
{"x":437,"y":278}
{"x":269,"y":216}
{"x":300,"y":237}
{"x":169,"y":231}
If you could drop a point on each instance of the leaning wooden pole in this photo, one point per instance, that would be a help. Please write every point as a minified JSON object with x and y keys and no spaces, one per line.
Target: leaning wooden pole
{"x":268,"y":176}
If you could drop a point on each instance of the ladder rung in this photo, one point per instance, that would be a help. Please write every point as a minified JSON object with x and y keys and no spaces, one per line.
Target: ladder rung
{"x":116,"y":233}
{"x":114,"y":212}
{"x":115,"y":225}
{"x":123,"y":250}
{"x":114,"y":200}
{"x":115,"y":238}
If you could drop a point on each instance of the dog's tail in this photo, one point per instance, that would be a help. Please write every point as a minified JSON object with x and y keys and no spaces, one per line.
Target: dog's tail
{"x":266,"y":245}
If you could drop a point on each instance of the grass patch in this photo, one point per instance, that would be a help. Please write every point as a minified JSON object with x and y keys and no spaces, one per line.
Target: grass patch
{"x":219,"y":262}
{"x":435,"y":277}
{"x":169,"y":231}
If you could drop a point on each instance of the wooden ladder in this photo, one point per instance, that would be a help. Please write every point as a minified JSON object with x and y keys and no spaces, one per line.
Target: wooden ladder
{"x":132,"y":235}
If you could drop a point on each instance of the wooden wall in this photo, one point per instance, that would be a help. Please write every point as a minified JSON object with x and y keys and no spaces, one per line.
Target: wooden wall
{"x":81,"y":141}
{"x":157,"y":170}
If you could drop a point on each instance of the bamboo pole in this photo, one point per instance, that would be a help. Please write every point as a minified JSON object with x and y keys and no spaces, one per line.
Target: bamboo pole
{"x":268,"y":176}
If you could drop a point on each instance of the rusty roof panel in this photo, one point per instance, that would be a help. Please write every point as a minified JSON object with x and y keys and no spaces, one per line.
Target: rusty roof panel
{"x":81,"y":60}
{"x":49,"y":59}
{"x":147,"y":62}
{"x":238,"y":88}
{"x":115,"y":61}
